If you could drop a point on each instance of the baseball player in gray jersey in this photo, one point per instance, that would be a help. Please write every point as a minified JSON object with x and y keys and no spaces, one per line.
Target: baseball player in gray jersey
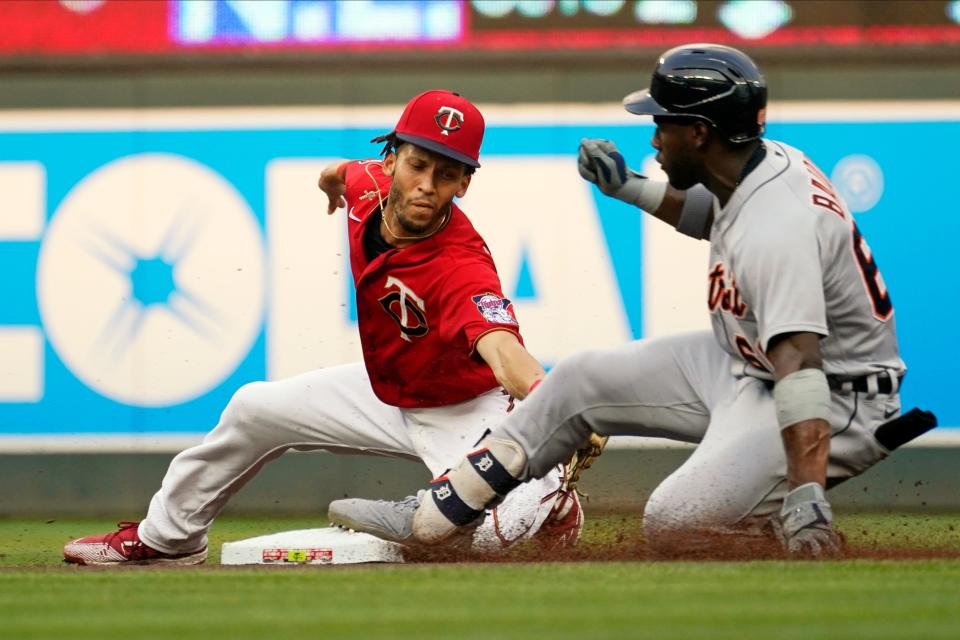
{"x":794,"y":390}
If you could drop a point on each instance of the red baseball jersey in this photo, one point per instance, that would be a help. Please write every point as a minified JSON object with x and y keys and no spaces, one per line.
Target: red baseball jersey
{"x":421,"y":309}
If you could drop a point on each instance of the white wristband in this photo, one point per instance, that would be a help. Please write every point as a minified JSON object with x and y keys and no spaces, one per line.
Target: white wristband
{"x":802,"y":395}
{"x":645,"y":193}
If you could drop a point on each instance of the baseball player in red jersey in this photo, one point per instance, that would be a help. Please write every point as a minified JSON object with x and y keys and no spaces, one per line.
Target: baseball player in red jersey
{"x":443,"y":355}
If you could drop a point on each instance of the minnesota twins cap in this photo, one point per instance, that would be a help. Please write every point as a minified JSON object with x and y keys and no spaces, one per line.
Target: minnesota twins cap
{"x":443,"y":122}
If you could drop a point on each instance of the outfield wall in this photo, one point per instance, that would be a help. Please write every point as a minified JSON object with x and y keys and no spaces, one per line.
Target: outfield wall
{"x":158,"y":259}
{"x":119,"y":485}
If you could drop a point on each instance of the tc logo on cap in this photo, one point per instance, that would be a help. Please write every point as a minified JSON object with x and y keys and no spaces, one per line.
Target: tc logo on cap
{"x":448,"y":119}
{"x":428,"y":120}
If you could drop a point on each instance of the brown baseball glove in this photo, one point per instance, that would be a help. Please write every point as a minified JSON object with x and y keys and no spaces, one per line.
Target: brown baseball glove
{"x":583,"y":459}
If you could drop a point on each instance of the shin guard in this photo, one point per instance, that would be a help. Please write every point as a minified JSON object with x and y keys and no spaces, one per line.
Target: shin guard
{"x":459,"y":498}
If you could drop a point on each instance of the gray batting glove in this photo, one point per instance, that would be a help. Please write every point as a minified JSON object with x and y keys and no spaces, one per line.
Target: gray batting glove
{"x":805,"y":523}
{"x":601,"y":163}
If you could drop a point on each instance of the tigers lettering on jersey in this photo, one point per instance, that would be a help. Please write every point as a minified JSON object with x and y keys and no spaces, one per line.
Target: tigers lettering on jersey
{"x":406,"y":308}
{"x":723,"y":295}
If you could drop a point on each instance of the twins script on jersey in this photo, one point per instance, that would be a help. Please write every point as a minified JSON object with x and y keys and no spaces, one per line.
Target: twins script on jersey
{"x":786,"y":256}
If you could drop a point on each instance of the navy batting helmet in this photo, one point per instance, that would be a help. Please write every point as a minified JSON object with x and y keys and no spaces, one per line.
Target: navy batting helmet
{"x":711,"y":82}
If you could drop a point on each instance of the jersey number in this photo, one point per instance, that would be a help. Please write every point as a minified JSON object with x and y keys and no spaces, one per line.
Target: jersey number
{"x":872,"y":280}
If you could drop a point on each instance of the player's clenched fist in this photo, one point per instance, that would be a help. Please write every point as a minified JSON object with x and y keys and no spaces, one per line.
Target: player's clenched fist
{"x":332,"y":183}
{"x":601,"y":163}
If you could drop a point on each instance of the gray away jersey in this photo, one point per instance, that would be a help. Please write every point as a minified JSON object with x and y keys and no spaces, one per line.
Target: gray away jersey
{"x":786,"y":256}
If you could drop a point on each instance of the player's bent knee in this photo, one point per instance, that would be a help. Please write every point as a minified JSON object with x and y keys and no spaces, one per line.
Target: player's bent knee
{"x":668,"y":531}
{"x":665,"y":516}
{"x":246,"y":407}
{"x":677,"y":522}
{"x":657,"y":517}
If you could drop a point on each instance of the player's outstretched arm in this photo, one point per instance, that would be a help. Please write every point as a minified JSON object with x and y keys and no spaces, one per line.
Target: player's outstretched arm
{"x":333,"y":183}
{"x":690,"y":212}
{"x":802,"y":397}
{"x":515,"y":369}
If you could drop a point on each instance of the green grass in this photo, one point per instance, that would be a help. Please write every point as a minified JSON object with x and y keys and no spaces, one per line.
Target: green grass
{"x":41,"y":598}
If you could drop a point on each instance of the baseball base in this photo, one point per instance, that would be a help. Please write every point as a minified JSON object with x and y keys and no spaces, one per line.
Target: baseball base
{"x":330,"y":545}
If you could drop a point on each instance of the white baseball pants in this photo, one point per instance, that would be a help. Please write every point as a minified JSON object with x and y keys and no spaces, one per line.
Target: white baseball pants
{"x":335,"y":410}
{"x":683,"y":388}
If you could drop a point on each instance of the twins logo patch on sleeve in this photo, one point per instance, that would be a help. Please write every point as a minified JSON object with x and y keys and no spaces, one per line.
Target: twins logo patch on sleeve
{"x":493,"y":308}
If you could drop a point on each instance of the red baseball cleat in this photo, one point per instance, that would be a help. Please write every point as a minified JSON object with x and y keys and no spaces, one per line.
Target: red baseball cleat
{"x":124,"y":546}
{"x":562,"y":528}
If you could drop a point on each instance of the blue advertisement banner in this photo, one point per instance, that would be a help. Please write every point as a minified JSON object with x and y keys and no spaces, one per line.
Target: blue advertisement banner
{"x":149,"y":272}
